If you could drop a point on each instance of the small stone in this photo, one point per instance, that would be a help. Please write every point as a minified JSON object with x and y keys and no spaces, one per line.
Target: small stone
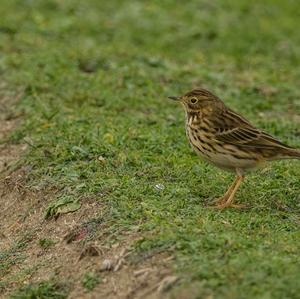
{"x":159,"y":187}
{"x":107,"y":265}
{"x":101,"y":159}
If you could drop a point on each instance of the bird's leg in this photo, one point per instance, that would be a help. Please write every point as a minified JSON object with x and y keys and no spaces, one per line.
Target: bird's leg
{"x":223,"y":199}
{"x":229,"y":200}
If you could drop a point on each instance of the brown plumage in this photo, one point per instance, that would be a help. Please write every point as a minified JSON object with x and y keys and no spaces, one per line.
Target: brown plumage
{"x":227,"y":140}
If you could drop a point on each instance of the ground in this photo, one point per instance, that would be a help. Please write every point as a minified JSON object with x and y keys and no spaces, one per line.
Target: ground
{"x":100,"y":194}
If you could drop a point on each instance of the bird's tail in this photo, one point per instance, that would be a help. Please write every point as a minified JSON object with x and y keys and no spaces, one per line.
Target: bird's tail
{"x":293,"y":154}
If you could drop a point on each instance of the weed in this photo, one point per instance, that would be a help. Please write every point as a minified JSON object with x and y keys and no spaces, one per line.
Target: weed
{"x":90,"y":280}
{"x":45,"y":290}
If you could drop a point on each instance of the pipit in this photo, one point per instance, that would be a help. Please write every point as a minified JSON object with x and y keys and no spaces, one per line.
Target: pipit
{"x":226,"y":139}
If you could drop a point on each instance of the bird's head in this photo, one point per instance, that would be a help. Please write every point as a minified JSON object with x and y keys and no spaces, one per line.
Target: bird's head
{"x":197,"y":100}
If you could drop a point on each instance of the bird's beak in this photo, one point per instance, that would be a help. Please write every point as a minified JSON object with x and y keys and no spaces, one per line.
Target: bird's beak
{"x":174,"y":98}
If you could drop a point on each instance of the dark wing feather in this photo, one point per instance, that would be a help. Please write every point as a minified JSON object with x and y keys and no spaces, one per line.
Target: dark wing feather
{"x":238,"y":131}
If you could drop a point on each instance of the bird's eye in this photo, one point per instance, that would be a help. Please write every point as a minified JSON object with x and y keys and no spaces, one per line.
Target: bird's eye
{"x":194,"y":100}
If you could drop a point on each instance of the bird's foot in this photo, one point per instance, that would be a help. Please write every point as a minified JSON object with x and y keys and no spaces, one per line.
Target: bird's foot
{"x":219,"y":200}
{"x":224,"y":205}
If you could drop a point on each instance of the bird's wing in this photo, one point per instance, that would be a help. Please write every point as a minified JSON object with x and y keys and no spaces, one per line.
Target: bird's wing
{"x":250,"y":137}
{"x":238,"y":131}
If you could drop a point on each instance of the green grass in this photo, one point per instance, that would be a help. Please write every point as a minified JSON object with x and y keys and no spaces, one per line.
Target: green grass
{"x":42,"y":290}
{"x":90,"y":280}
{"x":46,"y":243}
{"x":15,"y":254}
{"x":95,"y":76}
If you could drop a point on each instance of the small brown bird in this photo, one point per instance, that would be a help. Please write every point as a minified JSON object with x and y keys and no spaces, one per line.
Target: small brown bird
{"x":227,"y":140}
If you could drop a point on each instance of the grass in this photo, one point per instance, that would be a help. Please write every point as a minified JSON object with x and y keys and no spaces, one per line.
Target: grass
{"x":15,"y":254}
{"x":90,"y":280}
{"x":46,"y":243}
{"x":95,"y":76}
{"x":47,"y":289}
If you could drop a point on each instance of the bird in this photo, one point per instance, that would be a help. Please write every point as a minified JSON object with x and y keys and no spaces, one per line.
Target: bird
{"x":227,"y":140}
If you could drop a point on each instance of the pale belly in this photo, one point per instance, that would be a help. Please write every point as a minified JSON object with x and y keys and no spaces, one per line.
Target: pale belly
{"x":225,"y":156}
{"x":227,"y":162}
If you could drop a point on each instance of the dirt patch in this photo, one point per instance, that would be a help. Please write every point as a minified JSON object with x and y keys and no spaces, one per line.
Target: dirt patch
{"x":34,"y":249}
{"x":70,"y":256}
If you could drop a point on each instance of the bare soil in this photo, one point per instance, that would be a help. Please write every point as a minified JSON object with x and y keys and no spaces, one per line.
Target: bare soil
{"x":71,"y":255}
